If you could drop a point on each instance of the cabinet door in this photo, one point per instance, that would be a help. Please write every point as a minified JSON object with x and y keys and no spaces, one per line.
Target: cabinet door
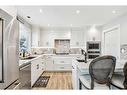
{"x":49,"y":63}
{"x":62,"y":63}
{"x":73,"y":78}
{"x":77,"y":38}
{"x":36,"y":70}
{"x":42,"y":65}
{"x":62,"y":67}
{"x":62,"y":60}
{"x":34,"y":73}
{"x":39,"y":66}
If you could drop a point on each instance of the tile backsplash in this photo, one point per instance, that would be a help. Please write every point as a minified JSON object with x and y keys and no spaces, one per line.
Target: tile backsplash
{"x":75,"y":51}
{"x":40,"y":50}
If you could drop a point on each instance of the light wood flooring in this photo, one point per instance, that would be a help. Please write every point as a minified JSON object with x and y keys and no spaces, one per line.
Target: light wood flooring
{"x":57,"y":81}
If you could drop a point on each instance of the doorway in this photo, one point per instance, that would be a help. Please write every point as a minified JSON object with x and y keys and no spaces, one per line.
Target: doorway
{"x":112,"y":42}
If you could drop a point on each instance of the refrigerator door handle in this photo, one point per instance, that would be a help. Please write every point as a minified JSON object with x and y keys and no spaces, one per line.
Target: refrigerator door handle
{"x":1,"y":51}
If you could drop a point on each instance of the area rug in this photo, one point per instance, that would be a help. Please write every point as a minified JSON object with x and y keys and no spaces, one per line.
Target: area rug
{"x":42,"y":81}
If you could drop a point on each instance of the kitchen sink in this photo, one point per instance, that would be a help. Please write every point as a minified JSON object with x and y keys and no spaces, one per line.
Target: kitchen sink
{"x":80,"y":60}
{"x":30,"y":57}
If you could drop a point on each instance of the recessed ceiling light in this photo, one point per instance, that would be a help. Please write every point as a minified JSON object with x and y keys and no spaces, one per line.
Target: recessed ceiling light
{"x":40,"y":10}
{"x":77,"y":11}
{"x":114,"y":12}
{"x":48,"y":25}
{"x":28,"y":17}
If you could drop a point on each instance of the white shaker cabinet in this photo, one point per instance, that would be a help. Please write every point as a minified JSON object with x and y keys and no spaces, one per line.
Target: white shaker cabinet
{"x":62,"y":63}
{"x":77,"y":38}
{"x":49,"y":63}
{"x":37,"y":68}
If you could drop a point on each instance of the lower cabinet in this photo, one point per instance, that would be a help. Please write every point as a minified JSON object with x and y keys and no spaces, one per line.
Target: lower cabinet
{"x":62,"y":63}
{"x":37,"y":68}
{"x":59,"y":63}
{"x":49,"y":66}
{"x":62,"y":67}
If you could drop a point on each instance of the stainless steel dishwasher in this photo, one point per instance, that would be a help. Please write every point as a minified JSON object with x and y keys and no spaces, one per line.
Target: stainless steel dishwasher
{"x":25,"y":76}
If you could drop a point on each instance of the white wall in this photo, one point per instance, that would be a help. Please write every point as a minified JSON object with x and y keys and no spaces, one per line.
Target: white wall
{"x":122,"y":21}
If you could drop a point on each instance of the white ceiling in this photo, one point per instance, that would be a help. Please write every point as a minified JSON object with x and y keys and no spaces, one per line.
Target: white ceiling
{"x":66,"y":15}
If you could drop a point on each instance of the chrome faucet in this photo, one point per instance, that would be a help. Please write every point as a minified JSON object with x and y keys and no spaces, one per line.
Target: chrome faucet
{"x":85,"y":55}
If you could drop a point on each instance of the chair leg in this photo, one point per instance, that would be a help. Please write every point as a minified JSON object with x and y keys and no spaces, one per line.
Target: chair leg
{"x":80,"y":85}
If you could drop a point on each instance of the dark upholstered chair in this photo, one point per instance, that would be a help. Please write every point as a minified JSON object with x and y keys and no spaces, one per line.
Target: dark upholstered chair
{"x":101,"y":70}
{"x":120,"y":80}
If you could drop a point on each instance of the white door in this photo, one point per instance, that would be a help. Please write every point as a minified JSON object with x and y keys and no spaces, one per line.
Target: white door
{"x":112,"y":42}
{"x":1,"y":71}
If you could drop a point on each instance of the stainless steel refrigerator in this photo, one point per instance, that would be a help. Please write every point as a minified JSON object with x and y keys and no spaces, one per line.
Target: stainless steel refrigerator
{"x":9,"y":39}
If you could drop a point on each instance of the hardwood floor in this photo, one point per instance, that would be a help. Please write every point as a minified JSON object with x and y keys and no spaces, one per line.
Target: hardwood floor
{"x":57,"y":81}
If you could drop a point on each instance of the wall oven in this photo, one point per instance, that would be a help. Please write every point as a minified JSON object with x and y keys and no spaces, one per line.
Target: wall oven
{"x":93,"y":49}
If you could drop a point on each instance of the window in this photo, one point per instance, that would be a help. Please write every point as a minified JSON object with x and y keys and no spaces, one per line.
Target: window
{"x":25,"y":38}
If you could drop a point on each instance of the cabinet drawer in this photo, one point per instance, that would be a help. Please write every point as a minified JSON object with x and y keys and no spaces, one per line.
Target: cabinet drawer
{"x":62,"y":67}
{"x":62,"y":61}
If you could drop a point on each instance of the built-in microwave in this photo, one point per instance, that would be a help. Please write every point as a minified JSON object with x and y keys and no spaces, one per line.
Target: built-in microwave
{"x":93,"y":45}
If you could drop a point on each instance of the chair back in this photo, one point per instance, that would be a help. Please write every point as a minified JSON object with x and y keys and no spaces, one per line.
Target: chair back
{"x":101,"y":69}
{"x":125,"y":74}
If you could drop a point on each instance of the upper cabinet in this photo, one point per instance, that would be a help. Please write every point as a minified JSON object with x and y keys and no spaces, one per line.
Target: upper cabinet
{"x":47,"y":37}
{"x":77,"y":38}
{"x":93,"y":33}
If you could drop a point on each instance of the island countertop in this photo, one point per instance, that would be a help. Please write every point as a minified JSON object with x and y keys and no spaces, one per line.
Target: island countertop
{"x":84,"y":67}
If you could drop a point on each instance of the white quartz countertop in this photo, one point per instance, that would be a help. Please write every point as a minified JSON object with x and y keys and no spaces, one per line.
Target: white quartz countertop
{"x":83,"y":67}
{"x":21,"y":62}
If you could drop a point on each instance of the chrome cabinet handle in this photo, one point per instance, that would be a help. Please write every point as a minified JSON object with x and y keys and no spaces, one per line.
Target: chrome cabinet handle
{"x":62,"y":61}
{"x":72,"y":67}
{"x":61,"y":67}
{"x":37,"y":66}
{"x":24,"y":67}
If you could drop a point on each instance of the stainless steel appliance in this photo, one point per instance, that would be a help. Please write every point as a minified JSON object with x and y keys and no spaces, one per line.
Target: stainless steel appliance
{"x":93,"y":49}
{"x":25,"y":76}
{"x":9,"y":39}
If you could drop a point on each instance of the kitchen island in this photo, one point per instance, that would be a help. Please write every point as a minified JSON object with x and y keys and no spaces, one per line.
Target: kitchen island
{"x":81,"y":68}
